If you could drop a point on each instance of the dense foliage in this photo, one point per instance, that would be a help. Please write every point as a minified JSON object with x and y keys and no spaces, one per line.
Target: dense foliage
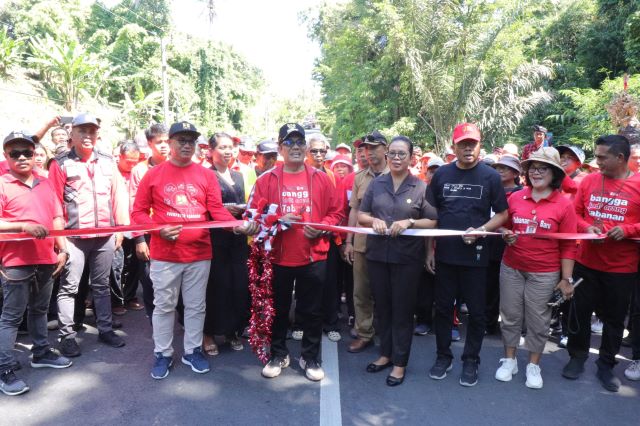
{"x":420,"y":66}
{"x":114,"y":55}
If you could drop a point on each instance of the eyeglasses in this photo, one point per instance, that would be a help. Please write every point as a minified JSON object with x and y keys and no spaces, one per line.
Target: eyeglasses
{"x":540,"y":170}
{"x":15,"y":154}
{"x":318,"y":151}
{"x":398,"y":154}
{"x":289,"y":143}
{"x":184,"y":142}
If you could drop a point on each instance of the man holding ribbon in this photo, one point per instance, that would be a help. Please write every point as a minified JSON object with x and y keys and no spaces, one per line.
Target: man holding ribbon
{"x":464,"y":192}
{"x":28,"y":266}
{"x":607,"y":204}
{"x":87,"y":183}
{"x":180,"y":191}
{"x":299,"y":253}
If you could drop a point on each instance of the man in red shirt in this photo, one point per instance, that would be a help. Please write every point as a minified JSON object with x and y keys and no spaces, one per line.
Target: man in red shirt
{"x":157,"y":136}
{"x":124,"y":277}
{"x":179,"y":190}
{"x":87,"y":183}
{"x":28,"y":266}
{"x":306,"y":194}
{"x":606,"y":203}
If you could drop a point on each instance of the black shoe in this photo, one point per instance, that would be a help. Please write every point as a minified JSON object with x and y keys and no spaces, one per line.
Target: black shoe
{"x":573,"y":369}
{"x":469,"y":376}
{"x":116,"y":324}
{"x":441,"y":367}
{"x":15,"y":365}
{"x":607,"y":379}
{"x":69,"y":347}
{"x":375,"y":368}
{"x":79,"y":327}
{"x":111,"y":338}
{"x":394,"y":381}
{"x":626,"y":342}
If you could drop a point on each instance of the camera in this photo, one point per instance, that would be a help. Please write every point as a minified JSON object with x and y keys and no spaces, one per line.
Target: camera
{"x":557,"y":298}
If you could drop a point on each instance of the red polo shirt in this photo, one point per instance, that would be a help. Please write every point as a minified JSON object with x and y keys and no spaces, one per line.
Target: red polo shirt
{"x":615,"y":202}
{"x":553,"y":214}
{"x":21,"y":203}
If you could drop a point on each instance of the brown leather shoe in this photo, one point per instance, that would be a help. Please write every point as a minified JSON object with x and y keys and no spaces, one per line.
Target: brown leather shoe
{"x":135,"y":305}
{"x":359,"y":345}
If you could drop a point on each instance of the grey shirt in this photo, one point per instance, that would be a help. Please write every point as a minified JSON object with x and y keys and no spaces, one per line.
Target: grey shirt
{"x":409,"y":201}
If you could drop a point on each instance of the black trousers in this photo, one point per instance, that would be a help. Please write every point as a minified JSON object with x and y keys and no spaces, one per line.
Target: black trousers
{"x":309,"y":281}
{"x":345,"y":285}
{"x":330,"y":295}
{"x":609,"y":294}
{"x":395,"y":289}
{"x":469,"y":283}
{"x":426,"y":295}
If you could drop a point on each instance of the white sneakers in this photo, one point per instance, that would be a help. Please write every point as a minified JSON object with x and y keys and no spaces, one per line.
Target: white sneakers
{"x":312,"y":370}
{"x":633,"y":370}
{"x":534,"y":379}
{"x":274,"y":367}
{"x":508,"y":368}
{"x":297,"y":334}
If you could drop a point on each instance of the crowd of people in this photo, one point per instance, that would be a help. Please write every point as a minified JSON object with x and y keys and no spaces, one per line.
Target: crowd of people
{"x":501,"y":272}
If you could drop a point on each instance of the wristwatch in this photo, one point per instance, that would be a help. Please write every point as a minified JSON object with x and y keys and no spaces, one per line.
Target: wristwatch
{"x":569,"y":280}
{"x":411,"y":222}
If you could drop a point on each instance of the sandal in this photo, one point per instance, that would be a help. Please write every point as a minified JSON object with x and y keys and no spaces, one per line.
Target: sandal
{"x":210,"y":348}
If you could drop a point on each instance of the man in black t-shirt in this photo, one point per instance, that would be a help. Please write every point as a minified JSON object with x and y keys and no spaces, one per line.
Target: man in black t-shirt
{"x":465,"y":193}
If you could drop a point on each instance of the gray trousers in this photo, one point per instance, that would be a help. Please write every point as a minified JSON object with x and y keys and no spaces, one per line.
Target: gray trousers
{"x":169,"y":279}
{"x":24,"y":286}
{"x":98,"y":252}
{"x":524,"y":297}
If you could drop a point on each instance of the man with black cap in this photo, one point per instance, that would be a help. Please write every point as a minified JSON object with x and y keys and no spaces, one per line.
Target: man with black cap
{"x":539,"y":134}
{"x":179,"y":190}
{"x":375,"y":145}
{"x":87,"y":183}
{"x":28,"y":266}
{"x":266,"y":156}
{"x":299,"y":253}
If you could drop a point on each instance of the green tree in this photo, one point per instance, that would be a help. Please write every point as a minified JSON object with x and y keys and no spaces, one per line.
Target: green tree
{"x":67,"y":71}
{"x":10,"y":52}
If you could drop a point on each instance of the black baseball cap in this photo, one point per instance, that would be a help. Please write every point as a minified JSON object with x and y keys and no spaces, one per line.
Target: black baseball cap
{"x":17,"y":136}
{"x":183,"y":127}
{"x":268,"y":146}
{"x":85,"y":118}
{"x":375,"y":138}
{"x":289,"y":129}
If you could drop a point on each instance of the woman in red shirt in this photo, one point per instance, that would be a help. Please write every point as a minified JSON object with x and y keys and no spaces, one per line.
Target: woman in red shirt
{"x":533,"y":267}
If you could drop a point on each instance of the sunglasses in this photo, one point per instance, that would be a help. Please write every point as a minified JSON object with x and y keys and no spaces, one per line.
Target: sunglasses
{"x":184,"y":142}
{"x":318,"y":151}
{"x":15,"y":154}
{"x":398,"y":154}
{"x":540,"y":170}
{"x":289,"y":143}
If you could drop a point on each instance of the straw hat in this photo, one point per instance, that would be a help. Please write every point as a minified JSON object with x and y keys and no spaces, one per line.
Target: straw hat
{"x":545,"y":154}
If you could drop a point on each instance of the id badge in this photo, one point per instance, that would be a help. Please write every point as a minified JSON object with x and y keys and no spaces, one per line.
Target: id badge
{"x":532,"y":226}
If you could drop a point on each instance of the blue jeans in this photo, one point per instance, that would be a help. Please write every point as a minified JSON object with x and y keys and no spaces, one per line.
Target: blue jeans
{"x":21,"y":286}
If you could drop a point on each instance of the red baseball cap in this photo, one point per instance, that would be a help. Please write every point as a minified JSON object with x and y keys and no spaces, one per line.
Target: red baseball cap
{"x":466,"y":131}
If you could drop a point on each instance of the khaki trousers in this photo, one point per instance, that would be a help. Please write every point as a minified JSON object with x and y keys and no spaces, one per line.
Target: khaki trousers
{"x":362,"y":297}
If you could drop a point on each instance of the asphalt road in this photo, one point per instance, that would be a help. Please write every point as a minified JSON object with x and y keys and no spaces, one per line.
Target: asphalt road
{"x":113,"y":386}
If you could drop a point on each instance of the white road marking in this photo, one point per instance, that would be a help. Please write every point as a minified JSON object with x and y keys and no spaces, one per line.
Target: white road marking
{"x":330,"y":409}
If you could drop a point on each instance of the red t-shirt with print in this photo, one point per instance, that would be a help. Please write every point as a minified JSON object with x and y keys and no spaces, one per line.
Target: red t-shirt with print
{"x":295,"y":199}
{"x":180,"y":194}
{"x":612,"y":202}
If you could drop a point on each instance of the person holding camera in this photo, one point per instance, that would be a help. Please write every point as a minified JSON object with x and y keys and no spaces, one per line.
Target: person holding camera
{"x":532,"y":268}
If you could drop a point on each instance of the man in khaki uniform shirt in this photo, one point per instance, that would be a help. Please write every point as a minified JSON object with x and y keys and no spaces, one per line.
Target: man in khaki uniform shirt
{"x":376,"y":145}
